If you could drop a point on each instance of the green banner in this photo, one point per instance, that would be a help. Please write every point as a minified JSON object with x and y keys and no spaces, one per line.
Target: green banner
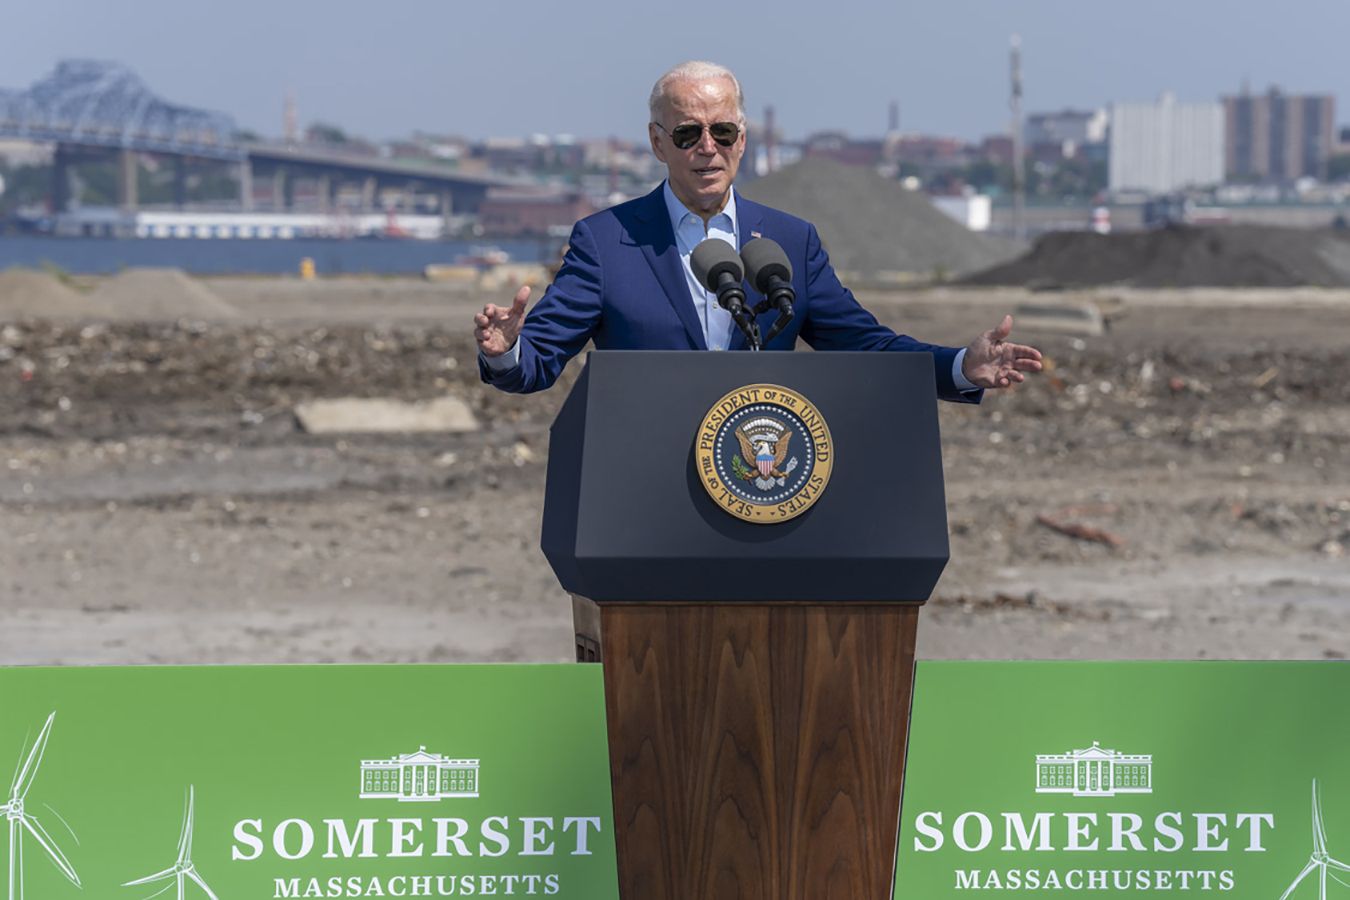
{"x":333,"y":781}
{"x":1062,"y":779}
{"x":1156,"y":779}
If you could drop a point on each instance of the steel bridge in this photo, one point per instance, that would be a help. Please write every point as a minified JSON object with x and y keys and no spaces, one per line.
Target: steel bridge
{"x":91,"y":109}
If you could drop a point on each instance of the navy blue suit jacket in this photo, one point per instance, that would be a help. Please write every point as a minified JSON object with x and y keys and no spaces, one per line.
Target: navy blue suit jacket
{"x":622,"y":284}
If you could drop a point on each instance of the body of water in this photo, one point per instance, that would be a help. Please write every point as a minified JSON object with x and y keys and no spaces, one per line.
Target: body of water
{"x":101,"y":256}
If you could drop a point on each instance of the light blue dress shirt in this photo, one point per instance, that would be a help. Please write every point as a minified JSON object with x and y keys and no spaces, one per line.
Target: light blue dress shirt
{"x":689,"y":233}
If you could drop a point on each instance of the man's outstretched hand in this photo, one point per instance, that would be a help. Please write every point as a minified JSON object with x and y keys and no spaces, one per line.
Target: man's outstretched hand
{"x":497,"y":327}
{"x":992,"y":362}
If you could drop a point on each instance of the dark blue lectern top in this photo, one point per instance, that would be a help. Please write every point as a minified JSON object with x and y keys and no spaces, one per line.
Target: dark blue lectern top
{"x":626,"y":517}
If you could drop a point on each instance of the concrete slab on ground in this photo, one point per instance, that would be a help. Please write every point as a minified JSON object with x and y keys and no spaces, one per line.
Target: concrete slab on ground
{"x":364,"y":415}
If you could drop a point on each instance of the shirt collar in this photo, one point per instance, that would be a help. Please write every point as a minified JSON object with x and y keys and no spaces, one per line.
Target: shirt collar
{"x":677,"y":210}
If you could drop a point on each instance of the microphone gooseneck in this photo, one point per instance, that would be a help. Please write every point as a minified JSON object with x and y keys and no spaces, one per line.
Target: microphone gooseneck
{"x":770,"y":273}
{"x":717,"y":267}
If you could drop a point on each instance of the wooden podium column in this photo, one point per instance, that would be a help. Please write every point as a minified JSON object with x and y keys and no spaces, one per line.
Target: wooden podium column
{"x":756,"y":749}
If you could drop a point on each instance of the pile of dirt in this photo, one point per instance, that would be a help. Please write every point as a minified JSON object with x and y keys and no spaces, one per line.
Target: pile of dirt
{"x":873,"y":225}
{"x":1182,"y":256}
{"x":150,"y":295}
{"x":28,"y":294}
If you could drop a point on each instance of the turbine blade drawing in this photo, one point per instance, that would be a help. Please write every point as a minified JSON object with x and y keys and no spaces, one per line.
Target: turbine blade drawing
{"x":1319,"y":832}
{"x":167,"y":887}
{"x":192,"y":873}
{"x":1337,"y":864}
{"x":64,"y":824}
{"x":1299,"y":880}
{"x":185,"y":835}
{"x":182,"y":869}
{"x":35,"y":828}
{"x":18,"y":767}
{"x":24,"y":779}
{"x":167,"y":873}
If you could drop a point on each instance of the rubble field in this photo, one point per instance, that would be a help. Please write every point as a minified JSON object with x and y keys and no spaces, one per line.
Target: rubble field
{"x":1178,"y":487}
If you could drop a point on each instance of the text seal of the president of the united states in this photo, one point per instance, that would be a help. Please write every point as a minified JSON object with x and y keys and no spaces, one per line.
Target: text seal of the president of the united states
{"x":764,"y":453}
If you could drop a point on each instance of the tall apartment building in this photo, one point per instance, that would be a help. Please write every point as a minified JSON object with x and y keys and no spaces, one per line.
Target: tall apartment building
{"x":1278,"y":137}
{"x":1165,"y":146}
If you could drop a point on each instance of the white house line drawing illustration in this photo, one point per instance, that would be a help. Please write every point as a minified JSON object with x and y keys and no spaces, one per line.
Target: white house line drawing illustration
{"x":420,"y":776}
{"x":183,"y":867}
{"x":1319,"y":860}
{"x":1094,"y":772}
{"x":20,"y":819}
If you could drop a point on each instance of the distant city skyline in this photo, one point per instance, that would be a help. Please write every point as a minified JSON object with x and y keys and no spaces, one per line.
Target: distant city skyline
{"x":530,"y":67}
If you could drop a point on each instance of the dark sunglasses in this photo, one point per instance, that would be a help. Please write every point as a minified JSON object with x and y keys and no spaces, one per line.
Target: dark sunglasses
{"x":687,"y":135}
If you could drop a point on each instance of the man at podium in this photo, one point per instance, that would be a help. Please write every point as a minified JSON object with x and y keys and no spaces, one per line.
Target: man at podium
{"x":626,"y":282}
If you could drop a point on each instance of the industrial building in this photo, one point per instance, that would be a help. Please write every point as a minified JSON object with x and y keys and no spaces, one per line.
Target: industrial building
{"x":1165,"y":146}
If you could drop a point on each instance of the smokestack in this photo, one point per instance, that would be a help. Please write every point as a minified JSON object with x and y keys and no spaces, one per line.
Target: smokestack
{"x":289,"y":126}
{"x":893,"y":120}
{"x":770,"y":141}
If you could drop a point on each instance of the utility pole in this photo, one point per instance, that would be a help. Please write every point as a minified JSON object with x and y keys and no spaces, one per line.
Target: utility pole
{"x":1019,"y":175}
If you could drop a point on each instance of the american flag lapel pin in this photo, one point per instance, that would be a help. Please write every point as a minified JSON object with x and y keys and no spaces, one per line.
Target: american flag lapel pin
{"x":756,"y":234}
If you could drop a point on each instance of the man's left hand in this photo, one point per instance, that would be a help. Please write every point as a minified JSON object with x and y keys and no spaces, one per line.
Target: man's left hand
{"x":992,"y":362}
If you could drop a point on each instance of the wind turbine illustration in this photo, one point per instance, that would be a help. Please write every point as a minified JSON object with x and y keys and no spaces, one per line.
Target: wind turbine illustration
{"x":20,"y":820}
{"x":183,"y":867}
{"x":1319,"y":860}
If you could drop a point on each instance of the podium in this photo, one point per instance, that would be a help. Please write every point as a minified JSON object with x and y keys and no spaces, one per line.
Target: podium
{"x":757,"y":674}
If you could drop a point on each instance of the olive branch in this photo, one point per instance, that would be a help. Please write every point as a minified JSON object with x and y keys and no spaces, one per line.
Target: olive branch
{"x":738,"y":466}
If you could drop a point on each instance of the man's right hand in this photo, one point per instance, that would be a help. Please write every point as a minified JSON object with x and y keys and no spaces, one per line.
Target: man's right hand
{"x":497,"y":327}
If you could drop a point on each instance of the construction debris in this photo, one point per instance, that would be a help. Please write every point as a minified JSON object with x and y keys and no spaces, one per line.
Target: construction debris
{"x":1081,"y":531}
{"x":354,"y":415}
{"x":1067,"y":318}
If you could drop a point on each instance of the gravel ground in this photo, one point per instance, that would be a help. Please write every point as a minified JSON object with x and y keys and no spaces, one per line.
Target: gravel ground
{"x":159,"y":504}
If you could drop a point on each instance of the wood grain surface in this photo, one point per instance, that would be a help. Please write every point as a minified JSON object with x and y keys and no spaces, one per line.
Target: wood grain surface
{"x":757,"y":751}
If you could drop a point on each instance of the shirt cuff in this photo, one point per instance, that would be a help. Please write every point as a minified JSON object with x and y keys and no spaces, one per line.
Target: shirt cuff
{"x":507,"y":361}
{"x":963,"y":384}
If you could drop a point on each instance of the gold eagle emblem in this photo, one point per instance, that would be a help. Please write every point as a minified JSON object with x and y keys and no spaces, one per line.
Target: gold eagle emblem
{"x":763,"y":441}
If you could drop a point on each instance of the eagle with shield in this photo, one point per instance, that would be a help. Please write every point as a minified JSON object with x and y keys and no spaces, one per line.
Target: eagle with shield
{"x":764,"y":446}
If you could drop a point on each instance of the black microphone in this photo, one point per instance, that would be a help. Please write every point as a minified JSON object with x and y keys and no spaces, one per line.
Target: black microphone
{"x":771,"y":274}
{"x":719,"y":269}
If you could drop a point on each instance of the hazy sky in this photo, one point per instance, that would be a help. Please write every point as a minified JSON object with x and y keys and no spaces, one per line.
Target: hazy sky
{"x":384,"y":69}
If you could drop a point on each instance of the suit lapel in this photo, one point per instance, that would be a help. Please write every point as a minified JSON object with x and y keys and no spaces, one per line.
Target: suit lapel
{"x":657,"y":241}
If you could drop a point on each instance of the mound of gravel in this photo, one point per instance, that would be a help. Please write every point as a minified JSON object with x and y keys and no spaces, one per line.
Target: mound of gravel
{"x":156,"y":295}
{"x":28,"y":294}
{"x":872,"y":225}
{"x":1182,"y":256}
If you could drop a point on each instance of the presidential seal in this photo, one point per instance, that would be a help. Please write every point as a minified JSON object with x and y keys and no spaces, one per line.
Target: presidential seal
{"x":764,"y":453}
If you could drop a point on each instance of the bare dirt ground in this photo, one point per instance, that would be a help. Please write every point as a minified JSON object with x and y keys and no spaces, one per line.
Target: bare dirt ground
{"x":158,"y":502}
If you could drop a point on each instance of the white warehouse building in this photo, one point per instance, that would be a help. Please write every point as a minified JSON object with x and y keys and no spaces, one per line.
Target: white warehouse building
{"x":1166,"y":146}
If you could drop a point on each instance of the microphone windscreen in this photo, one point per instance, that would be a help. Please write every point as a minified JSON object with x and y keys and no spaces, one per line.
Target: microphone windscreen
{"x":764,"y":258}
{"x":713,"y":257}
